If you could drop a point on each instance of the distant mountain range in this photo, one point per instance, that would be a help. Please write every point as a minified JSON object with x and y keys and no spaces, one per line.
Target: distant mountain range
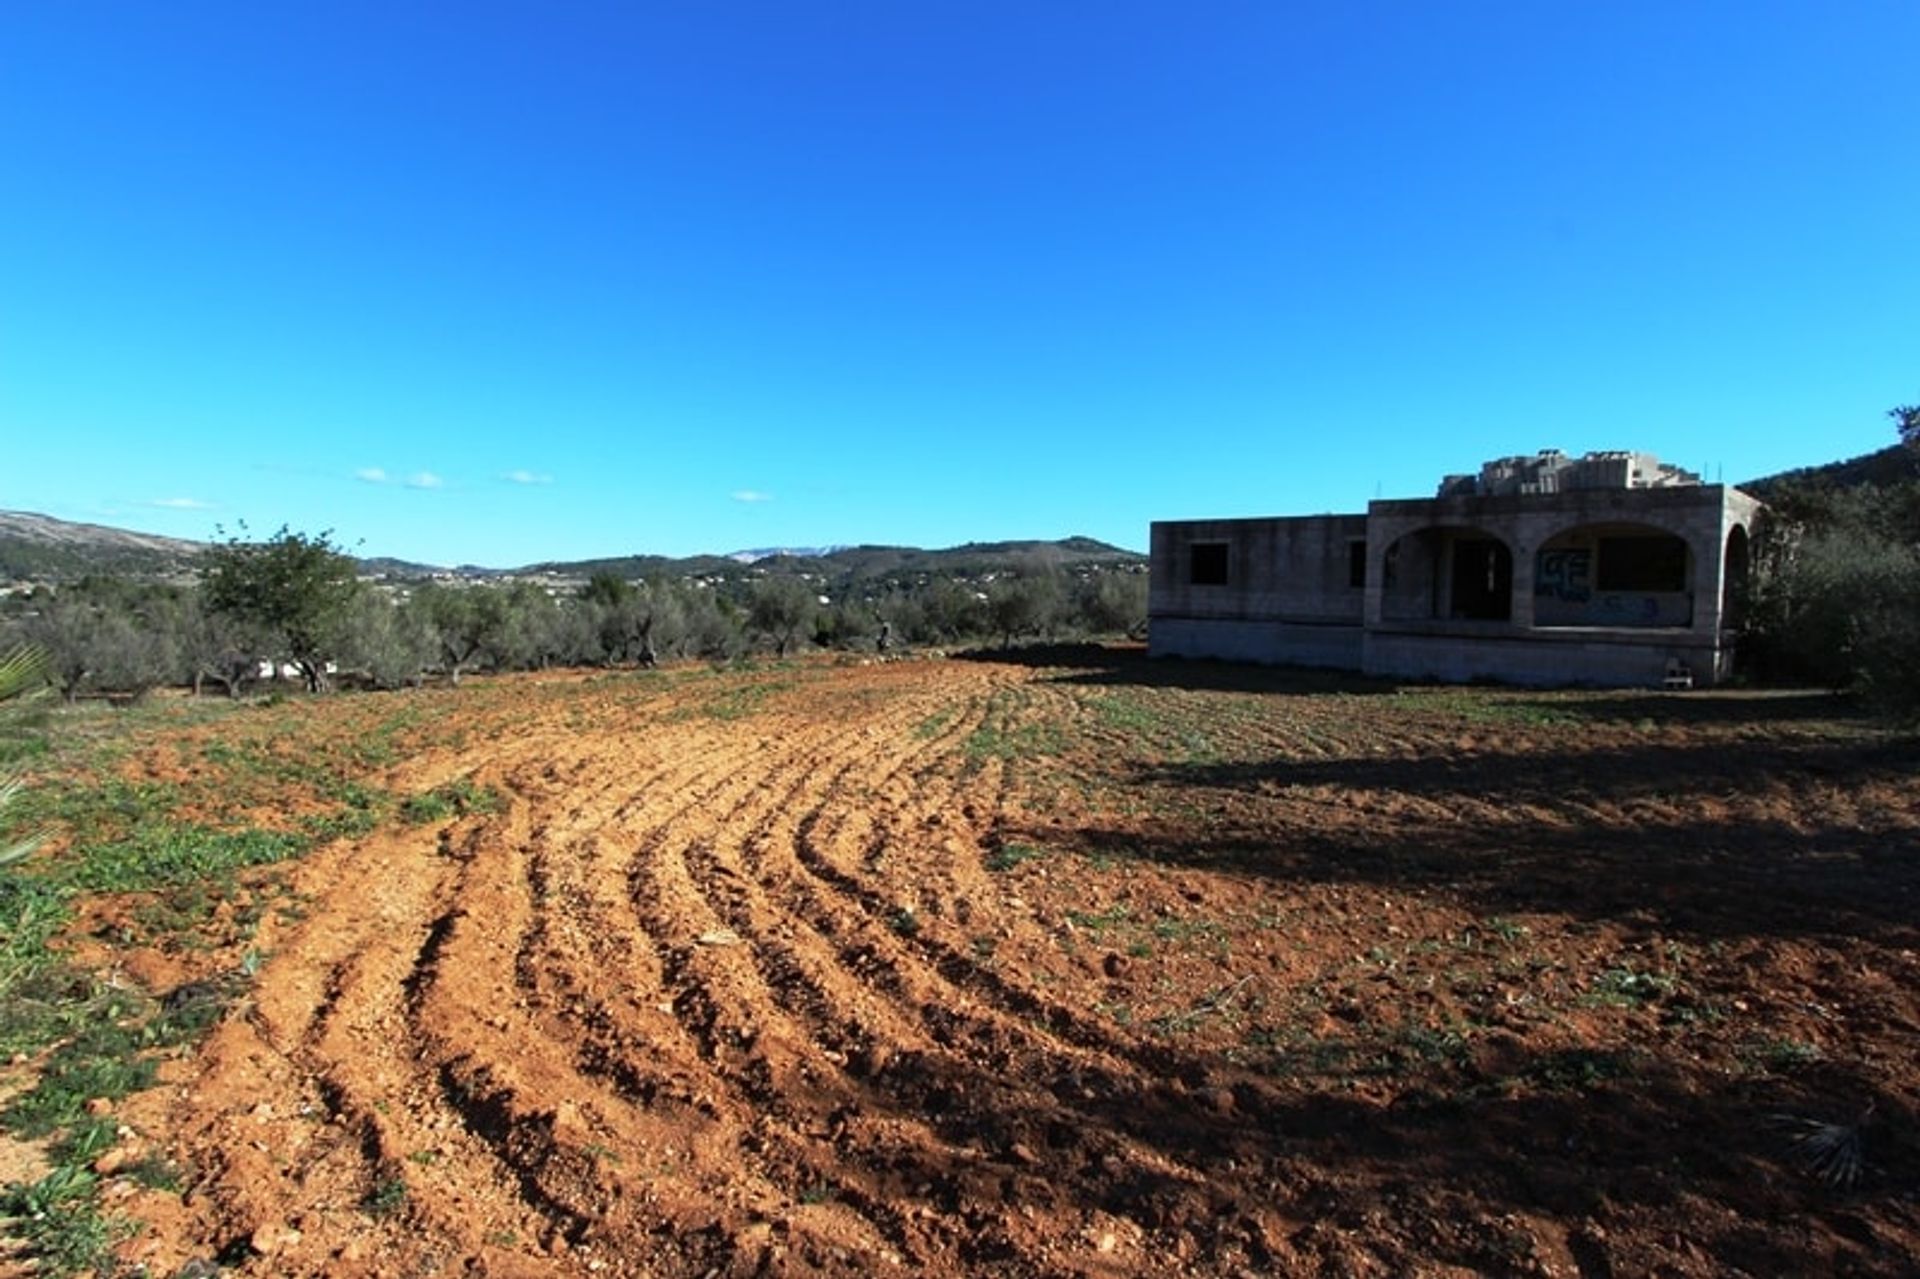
{"x":774,"y":552}
{"x":41,"y":548}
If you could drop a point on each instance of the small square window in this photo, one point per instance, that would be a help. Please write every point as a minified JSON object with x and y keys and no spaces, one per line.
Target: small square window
{"x":1357,"y":565}
{"x":1209,"y":564}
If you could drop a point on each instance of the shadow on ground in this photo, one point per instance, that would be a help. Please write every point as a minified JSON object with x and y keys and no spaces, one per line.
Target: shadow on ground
{"x":1127,"y":665}
{"x":1640,"y":1162}
{"x":1745,"y":838}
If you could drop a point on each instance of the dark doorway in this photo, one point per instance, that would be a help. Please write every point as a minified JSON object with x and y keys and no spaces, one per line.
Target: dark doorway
{"x":1482,"y":579}
{"x":1733,"y":605}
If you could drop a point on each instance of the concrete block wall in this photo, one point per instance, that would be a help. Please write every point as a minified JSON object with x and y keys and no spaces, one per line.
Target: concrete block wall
{"x":1566,"y":659}
{"x":1332,"y":646}
{"x":1279,"y":569}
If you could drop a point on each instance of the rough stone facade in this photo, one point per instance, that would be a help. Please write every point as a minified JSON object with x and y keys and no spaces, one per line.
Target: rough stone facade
{"x":1610,"y":586}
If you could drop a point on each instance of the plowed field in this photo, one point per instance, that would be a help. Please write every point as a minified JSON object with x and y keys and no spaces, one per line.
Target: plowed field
{"x":1078,"y":966}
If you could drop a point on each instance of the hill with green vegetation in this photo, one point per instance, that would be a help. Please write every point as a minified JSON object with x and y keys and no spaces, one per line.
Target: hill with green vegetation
{"x":40,"y":548}
{"x":972,"y":559}
{"x":1893,"y":465}
{"x":1836,"y":580}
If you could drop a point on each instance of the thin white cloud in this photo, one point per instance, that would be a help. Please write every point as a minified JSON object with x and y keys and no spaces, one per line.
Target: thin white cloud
{"x":425,"y":480}
{"x":372,"y":475}
{"x":751,"y":495}
{"x":181,"y":504}
{"x":526,"y":477}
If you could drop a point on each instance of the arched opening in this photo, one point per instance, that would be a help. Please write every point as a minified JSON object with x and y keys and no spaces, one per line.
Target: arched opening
{"x":1481,"y":580}
{"x":1734,"y":571}
{"x":1447,"y":573}
{"x":1631,"y":575}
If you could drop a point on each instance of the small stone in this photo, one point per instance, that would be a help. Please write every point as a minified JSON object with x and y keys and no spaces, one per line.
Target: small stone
{"x":719,"y":937}
{"x":100,"y":1106}
{"x":273,"y":1239}
{"x":1021,"y":1153}
{"x":1116,"y":965}
{"x":116,"y":1160}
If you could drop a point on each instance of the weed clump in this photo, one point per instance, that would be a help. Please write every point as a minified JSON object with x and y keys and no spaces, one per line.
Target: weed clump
{"x":461,"y":797}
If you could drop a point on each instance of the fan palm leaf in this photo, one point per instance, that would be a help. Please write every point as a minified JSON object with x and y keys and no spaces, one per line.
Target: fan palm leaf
{"x":21,"y":671}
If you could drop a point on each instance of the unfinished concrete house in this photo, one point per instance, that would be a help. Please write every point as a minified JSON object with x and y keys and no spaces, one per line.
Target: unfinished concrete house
{"x":1612,"y":569}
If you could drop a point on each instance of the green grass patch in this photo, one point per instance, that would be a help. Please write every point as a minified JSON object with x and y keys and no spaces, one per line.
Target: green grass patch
{"x":1119,"y":710}
{"x":1629,"y":988}
{"x":1577,"y":1069}
{"x":165,"y":855}
{"x":102,"y":1061}
{"x":461,"y":797}
{"x":59,"y":1220}
{"x":1015,"y":741}
{"x":386,"y":1197}
{"x":934,"y":725}
{"x":1778,"y":1055}
{"x":1009,"y":855}
{"x":1177,"y":928}
{"x":740,"y":700}
{"x":1098,"y":921}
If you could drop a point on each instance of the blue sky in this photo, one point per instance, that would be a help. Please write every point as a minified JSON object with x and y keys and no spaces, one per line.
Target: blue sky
{"x":501,"y":283}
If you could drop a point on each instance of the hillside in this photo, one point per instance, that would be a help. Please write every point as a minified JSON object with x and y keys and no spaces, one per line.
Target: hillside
{"x":41,"y":548}
{"x":971,"y":559}
{"x":1894,"y":464}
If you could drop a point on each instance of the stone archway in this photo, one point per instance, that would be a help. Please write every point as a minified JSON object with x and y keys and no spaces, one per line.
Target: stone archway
{"x":1735,"y":572}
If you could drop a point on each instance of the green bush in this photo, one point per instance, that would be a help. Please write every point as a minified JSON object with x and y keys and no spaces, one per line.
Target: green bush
{"x":1838,"y":595}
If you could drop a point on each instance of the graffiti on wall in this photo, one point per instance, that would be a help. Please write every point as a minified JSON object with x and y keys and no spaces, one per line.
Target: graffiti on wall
{"x":1565,"y":575}
{"x":1632,"y":610}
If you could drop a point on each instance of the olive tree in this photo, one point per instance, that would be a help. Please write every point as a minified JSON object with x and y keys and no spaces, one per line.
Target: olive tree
{"x":624,"y":614}
{"x":1024,"y":605}
{"x":99,"y":637}
{"x":213,"y":646}
{"x":466,"y":622}
{"x":781,"y":608}
{"x":533,"y":631}
{"x":389,"y":642}
{"x":1112,"y":603}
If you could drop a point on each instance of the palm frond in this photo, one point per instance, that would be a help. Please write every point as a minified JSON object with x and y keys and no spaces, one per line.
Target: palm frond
{"x":18,"y":849}
{"x":1829,"y":1151}
{"x":22,"y":670}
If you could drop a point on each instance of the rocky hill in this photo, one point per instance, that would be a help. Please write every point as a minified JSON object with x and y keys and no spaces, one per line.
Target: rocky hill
{"x":39,"y":548}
